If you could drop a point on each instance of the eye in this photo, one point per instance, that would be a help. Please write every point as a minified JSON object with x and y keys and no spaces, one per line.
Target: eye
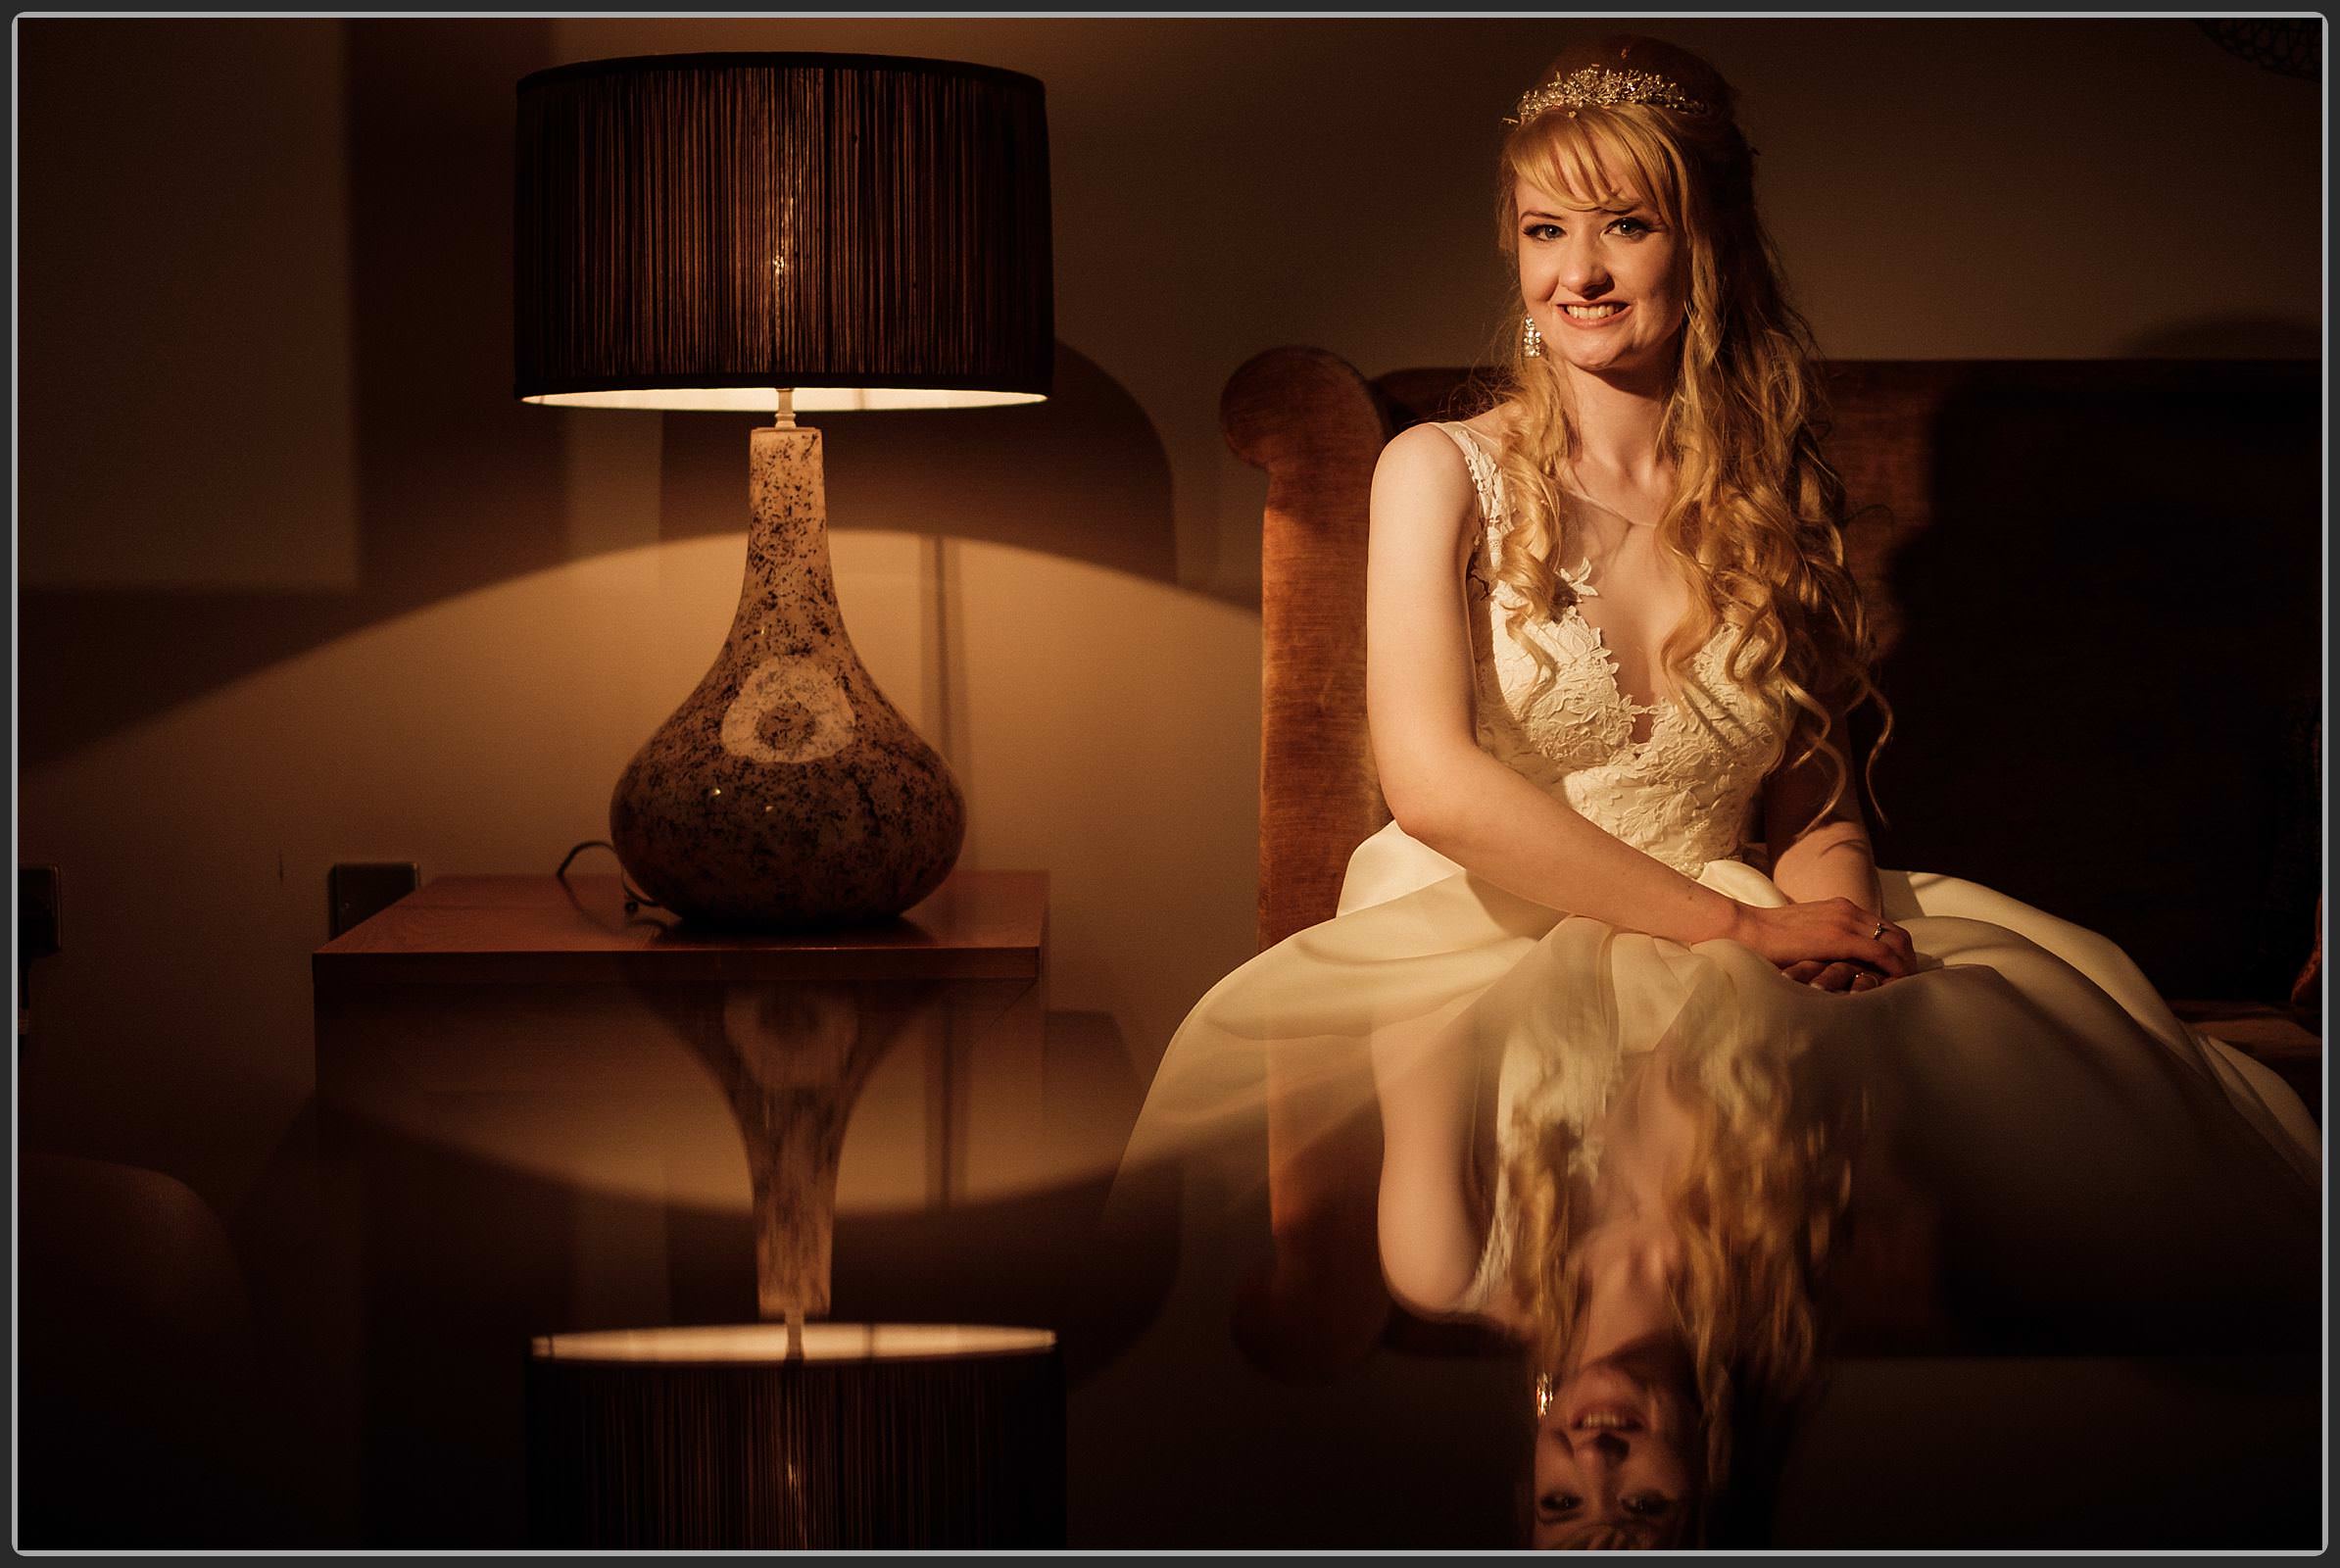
{"x":1558,"y":1505}
{"x":1632,"y":227}
{"x":1647,"y":1504}
{"x":1541,"y":232}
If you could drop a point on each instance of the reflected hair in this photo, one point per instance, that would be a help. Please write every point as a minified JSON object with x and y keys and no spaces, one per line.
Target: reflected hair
{"x":1759,"y":1211}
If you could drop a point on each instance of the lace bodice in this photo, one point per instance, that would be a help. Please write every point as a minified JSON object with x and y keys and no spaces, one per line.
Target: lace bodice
{"x":1684,"y":792}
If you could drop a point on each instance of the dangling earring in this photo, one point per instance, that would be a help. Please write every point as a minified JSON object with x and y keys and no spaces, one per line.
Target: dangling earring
{"x":1531,"y":339}
{"x":1543,"y":1393}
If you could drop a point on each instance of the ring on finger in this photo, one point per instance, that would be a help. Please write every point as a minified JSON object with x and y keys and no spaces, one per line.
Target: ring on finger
{"x":1878,"y":934}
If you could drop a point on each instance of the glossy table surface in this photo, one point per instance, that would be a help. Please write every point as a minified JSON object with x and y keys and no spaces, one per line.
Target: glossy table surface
{"x":979,"y":925}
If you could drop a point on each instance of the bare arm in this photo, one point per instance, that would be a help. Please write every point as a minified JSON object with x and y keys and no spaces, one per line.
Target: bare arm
{"x":1441,"y":787}
{"x":1431,"y":1233}
{"x":1819,"y":856}
{"x":1825,"y":858}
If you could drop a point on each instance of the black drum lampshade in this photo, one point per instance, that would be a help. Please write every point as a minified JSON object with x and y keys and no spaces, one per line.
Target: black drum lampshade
{"x":694,"y":231}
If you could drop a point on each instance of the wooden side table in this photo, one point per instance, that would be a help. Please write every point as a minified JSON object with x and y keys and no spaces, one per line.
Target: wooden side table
{"x":512,"y":1070}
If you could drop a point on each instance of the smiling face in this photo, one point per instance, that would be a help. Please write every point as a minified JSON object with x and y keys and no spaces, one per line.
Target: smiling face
{"x":1615,"y":1457}
{"x":1607,"y":285}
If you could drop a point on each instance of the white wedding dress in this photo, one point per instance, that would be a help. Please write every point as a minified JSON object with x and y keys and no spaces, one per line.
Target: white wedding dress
{"x":2087,"y":1151}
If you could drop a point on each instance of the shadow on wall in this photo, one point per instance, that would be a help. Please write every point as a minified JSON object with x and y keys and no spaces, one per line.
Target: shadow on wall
{"x":2239,"y":337}
{"x":455,"y":484}
{"x":2120,"y":587}
{"x":458,"y":485}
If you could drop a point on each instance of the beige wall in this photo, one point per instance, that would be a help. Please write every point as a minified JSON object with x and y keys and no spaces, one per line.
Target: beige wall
{"x":302,"y":584}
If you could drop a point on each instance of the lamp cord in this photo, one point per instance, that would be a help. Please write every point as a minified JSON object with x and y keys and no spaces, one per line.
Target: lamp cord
{"x":634,"y":900}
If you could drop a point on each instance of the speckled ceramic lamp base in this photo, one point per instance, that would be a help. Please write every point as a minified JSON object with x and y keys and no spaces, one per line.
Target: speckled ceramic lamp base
{"x":786,"y":792}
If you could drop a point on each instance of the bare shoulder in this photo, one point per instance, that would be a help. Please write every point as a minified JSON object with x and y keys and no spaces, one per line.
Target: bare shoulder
{"x":1423,"y":454}
{"x":1421,"y":487}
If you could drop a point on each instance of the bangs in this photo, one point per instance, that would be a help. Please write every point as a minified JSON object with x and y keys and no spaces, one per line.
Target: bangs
{"x":1597,"y":159}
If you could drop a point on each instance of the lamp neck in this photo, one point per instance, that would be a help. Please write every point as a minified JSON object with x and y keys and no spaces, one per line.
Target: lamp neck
{"x":787,"y":418}
{"x":787,"y":596}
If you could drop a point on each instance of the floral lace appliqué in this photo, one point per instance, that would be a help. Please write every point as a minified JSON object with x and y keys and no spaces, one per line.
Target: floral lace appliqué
{"x":1550,"y":704}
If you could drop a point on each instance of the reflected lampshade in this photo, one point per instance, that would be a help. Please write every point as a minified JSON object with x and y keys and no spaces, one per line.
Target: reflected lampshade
{"x":695,"y":230}
{"x":856,"y":1438}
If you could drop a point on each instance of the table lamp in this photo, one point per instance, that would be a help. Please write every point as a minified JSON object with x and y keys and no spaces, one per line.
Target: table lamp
{"x":788,"y":232}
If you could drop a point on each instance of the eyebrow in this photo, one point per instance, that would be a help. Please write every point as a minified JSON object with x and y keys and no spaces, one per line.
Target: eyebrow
{"x":1631,"y":208}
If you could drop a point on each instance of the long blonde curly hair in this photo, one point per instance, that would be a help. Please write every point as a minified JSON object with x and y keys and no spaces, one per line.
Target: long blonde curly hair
{"x":1755,"y":522}
{"x":1759,"y":1211}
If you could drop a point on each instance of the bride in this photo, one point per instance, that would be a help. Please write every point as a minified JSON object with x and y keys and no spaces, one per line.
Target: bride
{"x":1621,"y":977}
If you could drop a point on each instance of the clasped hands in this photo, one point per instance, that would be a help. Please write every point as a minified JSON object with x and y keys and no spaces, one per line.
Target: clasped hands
{"x":1841,"y":976}
{"x":1828,"y":944}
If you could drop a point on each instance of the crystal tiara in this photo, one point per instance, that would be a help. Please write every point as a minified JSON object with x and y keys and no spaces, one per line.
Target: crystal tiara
{"x":1604,"y":86}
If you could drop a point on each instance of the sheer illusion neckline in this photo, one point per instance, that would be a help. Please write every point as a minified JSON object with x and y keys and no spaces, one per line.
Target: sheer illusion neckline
{"x":1580,"y":582}
{"x":1635,"y":711}
{"x":1487,"y":449}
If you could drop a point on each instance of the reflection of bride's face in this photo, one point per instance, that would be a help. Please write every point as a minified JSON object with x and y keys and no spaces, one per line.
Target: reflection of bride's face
{"x":1613,"y":1457}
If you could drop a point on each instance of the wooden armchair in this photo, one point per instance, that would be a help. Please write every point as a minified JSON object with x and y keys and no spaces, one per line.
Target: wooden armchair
{"x":2096,"y":586}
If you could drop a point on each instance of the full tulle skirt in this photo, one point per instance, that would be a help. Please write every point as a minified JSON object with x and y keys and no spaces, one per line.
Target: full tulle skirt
{"x":2086,"y":1152}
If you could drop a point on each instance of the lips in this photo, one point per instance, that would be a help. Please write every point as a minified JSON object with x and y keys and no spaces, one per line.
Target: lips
{"x":1616,"y":313}
{"x":1607,"y":1416}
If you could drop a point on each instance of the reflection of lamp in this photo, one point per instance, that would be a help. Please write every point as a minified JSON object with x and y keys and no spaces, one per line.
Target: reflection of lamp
{"x":835,"y":231}
{"x":865,"y":1437}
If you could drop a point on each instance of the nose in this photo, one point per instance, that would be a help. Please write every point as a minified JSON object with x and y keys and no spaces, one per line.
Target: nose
{"x":1605,"y":1445}
{"x":1583,"y":272}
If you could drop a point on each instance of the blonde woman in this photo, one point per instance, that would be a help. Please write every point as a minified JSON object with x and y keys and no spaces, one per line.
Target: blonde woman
{"x":1622,"y":976}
